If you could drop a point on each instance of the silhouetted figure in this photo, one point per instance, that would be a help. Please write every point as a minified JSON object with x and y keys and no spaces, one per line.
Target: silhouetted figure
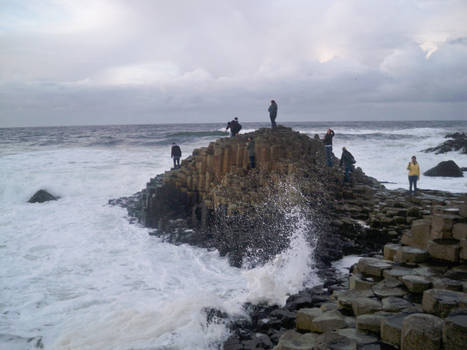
{"x":273,"y":113}
{"x":348,"y":161}
{"x":328,"y":146}
{"x":234,"y":127}
{"x":176,"y":154}
{"x":414,"y":174}
{"x":229,"y":127}
{"x":251,"y":152}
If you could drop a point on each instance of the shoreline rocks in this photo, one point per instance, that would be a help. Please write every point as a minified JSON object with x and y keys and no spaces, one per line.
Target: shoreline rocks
{"x":447,"y":168}
{"x":457,"y":142}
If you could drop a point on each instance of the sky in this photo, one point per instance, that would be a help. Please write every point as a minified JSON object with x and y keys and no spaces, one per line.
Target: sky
{"x":88,"y":62}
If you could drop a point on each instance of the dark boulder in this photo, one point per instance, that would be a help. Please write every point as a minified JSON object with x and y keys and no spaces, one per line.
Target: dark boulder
{"x":448,"y":168}
{"x":42,"y":196}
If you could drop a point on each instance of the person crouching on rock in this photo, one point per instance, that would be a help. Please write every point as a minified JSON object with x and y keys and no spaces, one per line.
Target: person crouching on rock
{"x":348,"y":161}
{"x":328,"y":146}
{"x":251,"y":152}
{"x":414,"y":174}
{"x":176,"y":154}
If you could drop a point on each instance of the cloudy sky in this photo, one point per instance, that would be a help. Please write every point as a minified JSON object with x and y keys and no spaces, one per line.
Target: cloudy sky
{"x":68,"y":62}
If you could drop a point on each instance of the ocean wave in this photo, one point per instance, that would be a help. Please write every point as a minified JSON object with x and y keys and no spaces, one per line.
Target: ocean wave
{"x":198,"y":133}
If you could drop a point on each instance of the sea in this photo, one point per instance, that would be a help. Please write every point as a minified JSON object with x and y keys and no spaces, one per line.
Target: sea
{"x":76,"y":274}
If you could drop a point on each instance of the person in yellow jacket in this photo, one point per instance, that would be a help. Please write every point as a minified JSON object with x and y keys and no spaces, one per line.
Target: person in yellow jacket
{"x":414,"y":174}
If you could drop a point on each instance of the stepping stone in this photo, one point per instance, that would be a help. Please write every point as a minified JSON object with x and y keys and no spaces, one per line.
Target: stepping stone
{"x":448,"y":284}
{"x":459,"y":231}
{"x":455,"y":330}
{"x":358,"y":282}
{"x":411,"y":255}
{"x":416,"y":284}
{"x":393,"y":304}
{"x":390,"y":250}
{"x":370,"y":322}
{"x":361,"y":306}
{"x":292,"y":340}
{"x":361,"y":338}
{"x":391,"y":329}
{"x":421,"y":331}
{"x":305,"y":318}
{"x":397,"y":272}
{"x":389,"y":287}
{"x":328,"y":321}
{"x":334,"y":341}
{"x":419,"y":234}
{"x":373,"y":267}
{"x":441,"y":225}
{"x":444,"y":249}
{"x":345,"y":298}
{"x":440,"y":302}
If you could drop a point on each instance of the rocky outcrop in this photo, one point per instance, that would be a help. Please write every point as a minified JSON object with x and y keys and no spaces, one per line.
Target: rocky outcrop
{"x":42,"y":196}
{"x":216,"y":200}
{"x":395,"y":301}
{"x":448,"y":168}
{"x":458,"y":141}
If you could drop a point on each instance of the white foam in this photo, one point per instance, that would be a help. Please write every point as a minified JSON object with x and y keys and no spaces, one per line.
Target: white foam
{"x":79,"y":275}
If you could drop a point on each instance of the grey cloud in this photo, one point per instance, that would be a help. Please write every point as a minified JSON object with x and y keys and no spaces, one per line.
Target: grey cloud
{"x":159,"y":61}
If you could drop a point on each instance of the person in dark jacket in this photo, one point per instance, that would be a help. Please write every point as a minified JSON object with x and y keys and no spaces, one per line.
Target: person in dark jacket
{"x":273,"y":113}
{"x":348,"y":161}
{"x":176,"y":154}
{"x":236,"y":127}
{"x":251,"y":152}
{"x":328,"y":146}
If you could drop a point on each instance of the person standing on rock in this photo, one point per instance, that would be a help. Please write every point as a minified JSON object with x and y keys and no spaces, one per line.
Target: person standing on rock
{"x":273,"y":113}
{"x":251,"y":151}
{"x":414,"y":174}
{"x":348,"y":161}
{"x":328,"y":146}
{"x":235,"y":126}
{"x":176,"y":154}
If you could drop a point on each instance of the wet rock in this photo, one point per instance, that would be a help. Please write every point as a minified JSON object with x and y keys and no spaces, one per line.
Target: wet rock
{"x":373,"y":267}
{"x":328,"y":321}
{"x":447,"y":168}
{"x":444,"y":249}
{"x":389,"y":287}
{"x":305,"y":317}
{"x":42,"y":196}
{"x":361,"y":338}
{"x":421,"y":331}
{"x":358,"y":282}
{"x":416,"y":284}
{"x":391,"y":329}
{"x":370,"y":322}
{"x":447,"y":283}
{"x":334,"y":341}
{"x":292,"y":340}
{"x":362,"y":306}
{"x":441,"y":302}
{"x":457,"y":142}
{"x":411,"y":255}
{"x":394,"y":304}
{"x":455,"y":330}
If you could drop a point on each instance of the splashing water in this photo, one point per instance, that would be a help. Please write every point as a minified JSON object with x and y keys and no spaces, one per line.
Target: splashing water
{"x":293,"y":269}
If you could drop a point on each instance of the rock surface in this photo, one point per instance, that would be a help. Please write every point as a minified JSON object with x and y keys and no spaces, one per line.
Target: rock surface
{"x":457,"y":142}
{"x":447,"y":168}
{"x":42,"y":196}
